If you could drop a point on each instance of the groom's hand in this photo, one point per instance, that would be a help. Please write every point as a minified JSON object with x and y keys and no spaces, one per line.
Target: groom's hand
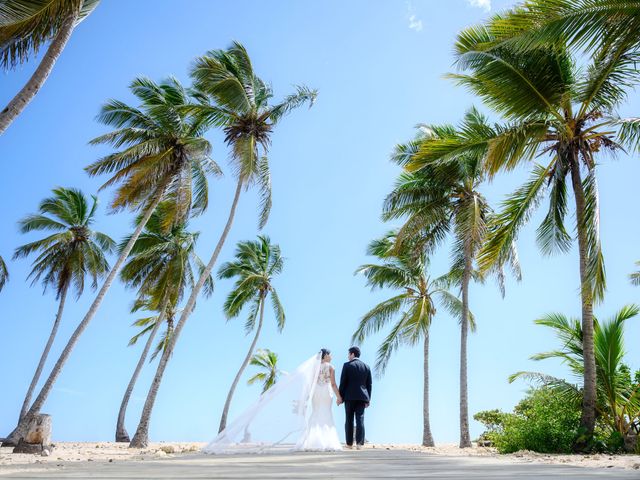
{"x":366,"y":405}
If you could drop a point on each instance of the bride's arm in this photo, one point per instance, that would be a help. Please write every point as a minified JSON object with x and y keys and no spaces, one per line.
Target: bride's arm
{"x":334,"y":385}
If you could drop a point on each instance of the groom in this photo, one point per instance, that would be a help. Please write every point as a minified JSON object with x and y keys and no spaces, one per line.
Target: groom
{"x":355,"y":392}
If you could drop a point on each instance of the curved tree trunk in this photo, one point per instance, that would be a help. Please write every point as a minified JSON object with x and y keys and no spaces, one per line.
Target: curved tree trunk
{"x":227,"y":403}
{"x":141,"y":437}
{"x":427,"y":438}
{"x":45,"y":354}
{"x":29,"y":91}
{"x":588,"y":418}
{"x":121,"y":431}
{"x":465,"y":439}
{"x":55,"y":372}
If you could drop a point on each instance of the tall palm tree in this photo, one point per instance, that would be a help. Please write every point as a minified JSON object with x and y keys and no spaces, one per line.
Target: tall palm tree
{"x":65,"y":257}
{"x":241,"y":106}
{"x":163,"y":156}
{"x":255,"y":265}
{"x":4,"y":273}
{"x":414,"y":308}
{"x":267,"y":361}
{"x":25,"y":27}
{"x":618,"y":399}
{"x":161,"y":265}
{"x":440,"y":196}
{"x":568,"y":117}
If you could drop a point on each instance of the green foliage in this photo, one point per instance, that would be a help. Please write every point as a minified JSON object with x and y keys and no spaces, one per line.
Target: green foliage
{"x":402,"y":268}
{"x":161,"y":150}
{"x":233,"y":97}
{"x":255,"y":265}
{"x":267,"y":361}
{"x":542,"y":422}
{"x":617,"y":400}
{"x":161,"y":264}
{"x":73,"y":251}
{"x":4,"y":273}
{"x":26,"y":25}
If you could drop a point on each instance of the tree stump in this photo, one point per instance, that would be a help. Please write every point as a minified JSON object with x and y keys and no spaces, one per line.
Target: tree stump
{"x":38,"y":437}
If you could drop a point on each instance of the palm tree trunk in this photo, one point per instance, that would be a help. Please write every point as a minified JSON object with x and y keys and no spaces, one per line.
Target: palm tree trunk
{"x":427,"y":438}
{"x":29,"y":91}
{"x":55,"y":372}
{"x":465,"y":439}
{"x":227,"y":403}
{"x":45,"y":354}
{"x":588,"y":417}
{"x":141,"y":437}
{"x":121,"y":431}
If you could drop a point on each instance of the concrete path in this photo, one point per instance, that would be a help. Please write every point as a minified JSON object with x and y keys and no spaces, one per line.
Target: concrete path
{"x":370,"y":464}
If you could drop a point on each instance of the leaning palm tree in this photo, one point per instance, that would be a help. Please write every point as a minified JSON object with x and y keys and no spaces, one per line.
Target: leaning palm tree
{"x":161,"y":265}
{"x":440,"y":196}
{"x":65,"y":257}
{"x":240,"y":105}
{"x":267,"y":361}
{"x":414,"y":307}
{"x":618,"y":398}
{"x":4,"y":273}
{"x":567,"y":117}
{"x":163,"y":156}
{"x":255,"y":265}
{"x":25,"y":27}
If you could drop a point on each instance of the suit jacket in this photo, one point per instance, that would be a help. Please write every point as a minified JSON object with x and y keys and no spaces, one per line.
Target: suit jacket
{"x":355,"y":381}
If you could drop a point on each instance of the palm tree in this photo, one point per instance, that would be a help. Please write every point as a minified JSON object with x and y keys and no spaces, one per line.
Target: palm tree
{"x":161,"y":265}
{"x":267,"y":361}
{"x":569,"y":117}
{"x":405,"y":270}
{"x":64,"y":258}
{"x":27,"y":25}
{"x":618,"y":398}
{"x":163,"y":156}
{"x":241,"y":105}
{"x":254,"y":267}
{"x":4,"y":273}
{"x":590,"y":25}
{"x":440,"y":196}
{"x":633,"y":277}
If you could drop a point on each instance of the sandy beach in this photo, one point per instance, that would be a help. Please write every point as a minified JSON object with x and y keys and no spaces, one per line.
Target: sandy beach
{"x":70,"y":456}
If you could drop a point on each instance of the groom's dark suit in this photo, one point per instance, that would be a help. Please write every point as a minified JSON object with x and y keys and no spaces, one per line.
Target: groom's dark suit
{"x":355,"y":390}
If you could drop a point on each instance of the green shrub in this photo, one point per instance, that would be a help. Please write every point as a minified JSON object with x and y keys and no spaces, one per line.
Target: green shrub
{"x":542,"y":422}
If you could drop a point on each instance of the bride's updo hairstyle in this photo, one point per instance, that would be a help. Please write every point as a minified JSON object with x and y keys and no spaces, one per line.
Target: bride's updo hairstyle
{"x":324,"y":352}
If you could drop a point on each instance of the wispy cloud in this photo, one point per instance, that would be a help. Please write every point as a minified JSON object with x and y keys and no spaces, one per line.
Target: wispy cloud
{"x":69,"y":391}
{"x":484,"y":4}
{"x":414,"y":22}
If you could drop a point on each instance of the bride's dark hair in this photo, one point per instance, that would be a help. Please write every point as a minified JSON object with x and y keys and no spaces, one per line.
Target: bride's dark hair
{"x":324,"y":352}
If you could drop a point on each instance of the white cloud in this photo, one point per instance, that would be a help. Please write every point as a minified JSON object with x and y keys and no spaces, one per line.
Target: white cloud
{"x":484,"y":4}
{"x":415,"y":23}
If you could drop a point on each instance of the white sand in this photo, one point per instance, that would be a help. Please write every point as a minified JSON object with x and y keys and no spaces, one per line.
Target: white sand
{"x":119,"y":452}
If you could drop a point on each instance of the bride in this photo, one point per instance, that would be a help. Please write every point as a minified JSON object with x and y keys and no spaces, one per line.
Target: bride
{"x":295,"y":414}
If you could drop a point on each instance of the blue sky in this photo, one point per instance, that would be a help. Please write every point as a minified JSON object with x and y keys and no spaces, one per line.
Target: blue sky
{"x":378,"y":66}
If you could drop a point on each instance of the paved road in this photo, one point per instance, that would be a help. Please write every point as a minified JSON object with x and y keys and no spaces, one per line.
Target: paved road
{"x":370,"y":464}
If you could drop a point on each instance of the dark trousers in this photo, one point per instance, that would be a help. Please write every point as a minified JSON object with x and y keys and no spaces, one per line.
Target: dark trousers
{"x":354,"y":410}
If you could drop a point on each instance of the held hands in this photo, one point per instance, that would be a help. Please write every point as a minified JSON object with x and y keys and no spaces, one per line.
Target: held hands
{"x":339,"y":400}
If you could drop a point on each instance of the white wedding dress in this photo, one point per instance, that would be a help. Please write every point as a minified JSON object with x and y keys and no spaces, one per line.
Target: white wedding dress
{"x":294,"y":414}
{"x":321,"y":433}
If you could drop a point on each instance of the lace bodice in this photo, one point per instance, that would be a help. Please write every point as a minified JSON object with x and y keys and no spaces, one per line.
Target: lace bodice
{"x":324,"y":377}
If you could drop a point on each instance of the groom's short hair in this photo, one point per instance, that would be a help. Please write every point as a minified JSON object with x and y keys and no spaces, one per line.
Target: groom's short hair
{"x":355,"y":351}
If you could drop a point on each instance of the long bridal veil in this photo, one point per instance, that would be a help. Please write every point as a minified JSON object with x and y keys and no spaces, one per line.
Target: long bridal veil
{"x":278,"y":418}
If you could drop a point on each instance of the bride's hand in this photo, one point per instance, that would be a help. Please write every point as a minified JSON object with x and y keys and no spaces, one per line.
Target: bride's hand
{"x":338,"y":400}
